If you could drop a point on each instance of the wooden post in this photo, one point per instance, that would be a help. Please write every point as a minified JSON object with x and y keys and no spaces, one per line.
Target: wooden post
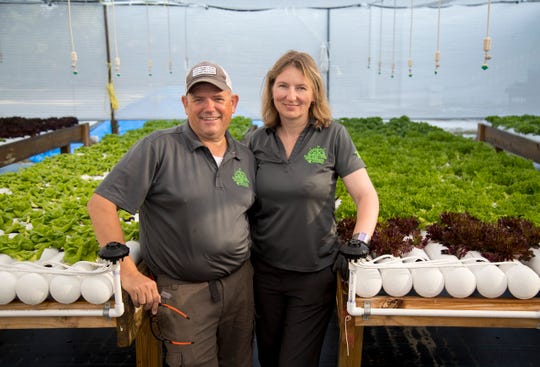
{"x":148,"y":348}
{"x":85,"y":134}
{"x":512,"y":143}
{"x":84,"y":138}
{"x":351,"y":336}
{"x":481,"y":135}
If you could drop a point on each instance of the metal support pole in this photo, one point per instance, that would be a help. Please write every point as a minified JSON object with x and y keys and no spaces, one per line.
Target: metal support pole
{"x":114,"y":123}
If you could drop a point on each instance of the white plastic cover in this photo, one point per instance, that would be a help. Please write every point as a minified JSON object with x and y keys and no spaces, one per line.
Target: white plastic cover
{"x":36,"y":79}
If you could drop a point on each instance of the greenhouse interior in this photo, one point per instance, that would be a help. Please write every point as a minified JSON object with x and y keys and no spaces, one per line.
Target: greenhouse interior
{"x":440,"y":97}
{"x":362,"y":48}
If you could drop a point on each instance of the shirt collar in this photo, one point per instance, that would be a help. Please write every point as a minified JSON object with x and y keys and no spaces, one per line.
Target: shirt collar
{"x":194,"y":142}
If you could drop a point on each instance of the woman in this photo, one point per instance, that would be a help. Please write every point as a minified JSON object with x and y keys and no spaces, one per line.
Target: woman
{"x":300,"y":154}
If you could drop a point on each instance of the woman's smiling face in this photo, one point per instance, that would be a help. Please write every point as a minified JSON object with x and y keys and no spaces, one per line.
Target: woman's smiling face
{"x":293,"y":94}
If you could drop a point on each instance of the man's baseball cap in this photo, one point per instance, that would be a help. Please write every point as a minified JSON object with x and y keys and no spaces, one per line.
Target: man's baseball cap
{"x":209,"y":73}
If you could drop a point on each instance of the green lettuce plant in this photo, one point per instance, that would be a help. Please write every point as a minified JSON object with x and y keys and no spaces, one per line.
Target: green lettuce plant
{"x":419,"y":171}
{"x":524,"y":124}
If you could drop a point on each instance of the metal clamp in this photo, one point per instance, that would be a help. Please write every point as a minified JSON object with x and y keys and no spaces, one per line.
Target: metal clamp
{"x":106,"y":310}
{"x":367,"y":310}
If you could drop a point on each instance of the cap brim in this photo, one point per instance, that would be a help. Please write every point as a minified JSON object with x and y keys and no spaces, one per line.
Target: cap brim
{"x":213,"y":81}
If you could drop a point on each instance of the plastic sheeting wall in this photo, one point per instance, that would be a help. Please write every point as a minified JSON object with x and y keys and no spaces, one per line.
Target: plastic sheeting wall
{"x":36,"y":78}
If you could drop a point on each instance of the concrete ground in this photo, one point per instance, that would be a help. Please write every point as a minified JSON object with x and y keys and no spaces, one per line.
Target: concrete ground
{"x":383,"y":347}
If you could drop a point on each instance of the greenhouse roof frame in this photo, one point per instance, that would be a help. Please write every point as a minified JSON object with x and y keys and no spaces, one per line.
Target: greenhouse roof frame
{"x":363,"y":48}
{"x":262,"y":5}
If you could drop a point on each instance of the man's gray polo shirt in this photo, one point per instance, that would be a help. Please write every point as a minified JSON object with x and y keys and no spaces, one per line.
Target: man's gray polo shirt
{"x":193,"y":221}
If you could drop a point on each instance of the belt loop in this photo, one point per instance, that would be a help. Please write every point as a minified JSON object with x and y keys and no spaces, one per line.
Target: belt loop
{"x":214,"y":293}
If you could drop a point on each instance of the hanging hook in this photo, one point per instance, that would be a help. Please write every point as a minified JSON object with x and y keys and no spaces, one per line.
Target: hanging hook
{"x":74,"y":63}
{"x":409,"y":60}
{"x":487,"y":56}
{"x":438,"y":52}
{"x":74,"y":57}
{"x":487,"y":40}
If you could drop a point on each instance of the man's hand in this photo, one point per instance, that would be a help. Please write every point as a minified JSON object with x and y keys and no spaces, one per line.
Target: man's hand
{"x":142,"y":290}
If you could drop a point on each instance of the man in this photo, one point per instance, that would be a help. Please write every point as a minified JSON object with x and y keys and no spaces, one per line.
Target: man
{"x":192,"y":186}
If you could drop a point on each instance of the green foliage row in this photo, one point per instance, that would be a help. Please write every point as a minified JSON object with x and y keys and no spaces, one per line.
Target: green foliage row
{"x":418,"y":170}
{"x":51,"y":196}
{"x":421,"y":170}
{"x":525,"y":124}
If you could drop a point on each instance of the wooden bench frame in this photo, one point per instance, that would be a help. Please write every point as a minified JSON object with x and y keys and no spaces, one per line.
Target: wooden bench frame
{"x":132,"y":326}
{"x":352,"y":327}
{"x":22,"y":149}
{"x":509,"y":142}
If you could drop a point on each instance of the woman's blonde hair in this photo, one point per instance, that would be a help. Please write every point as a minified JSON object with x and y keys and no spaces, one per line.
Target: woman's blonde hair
{"x":319,"y":111}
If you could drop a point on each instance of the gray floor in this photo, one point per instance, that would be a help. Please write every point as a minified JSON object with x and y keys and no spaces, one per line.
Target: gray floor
{"x":383,"y":347}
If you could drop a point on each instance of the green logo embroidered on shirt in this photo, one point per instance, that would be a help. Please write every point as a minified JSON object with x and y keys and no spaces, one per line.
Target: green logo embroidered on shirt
{"x":240,"y":178}
{"x":316,"y":155}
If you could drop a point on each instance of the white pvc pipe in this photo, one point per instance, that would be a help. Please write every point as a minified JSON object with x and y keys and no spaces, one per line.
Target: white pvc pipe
{"x":354,"y":310}
{"x":116,"y":311}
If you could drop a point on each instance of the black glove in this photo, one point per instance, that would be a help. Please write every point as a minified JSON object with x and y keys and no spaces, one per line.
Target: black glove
{"x":354,"y":249}
{"x":341,"y":264}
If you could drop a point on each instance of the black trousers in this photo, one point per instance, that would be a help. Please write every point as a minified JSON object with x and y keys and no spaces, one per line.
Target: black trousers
{"x":292,"y":314}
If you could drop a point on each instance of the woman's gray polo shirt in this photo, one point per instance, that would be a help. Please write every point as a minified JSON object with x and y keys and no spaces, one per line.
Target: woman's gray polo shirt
{"x":192,"y":213}
{"x":293,"y":225}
